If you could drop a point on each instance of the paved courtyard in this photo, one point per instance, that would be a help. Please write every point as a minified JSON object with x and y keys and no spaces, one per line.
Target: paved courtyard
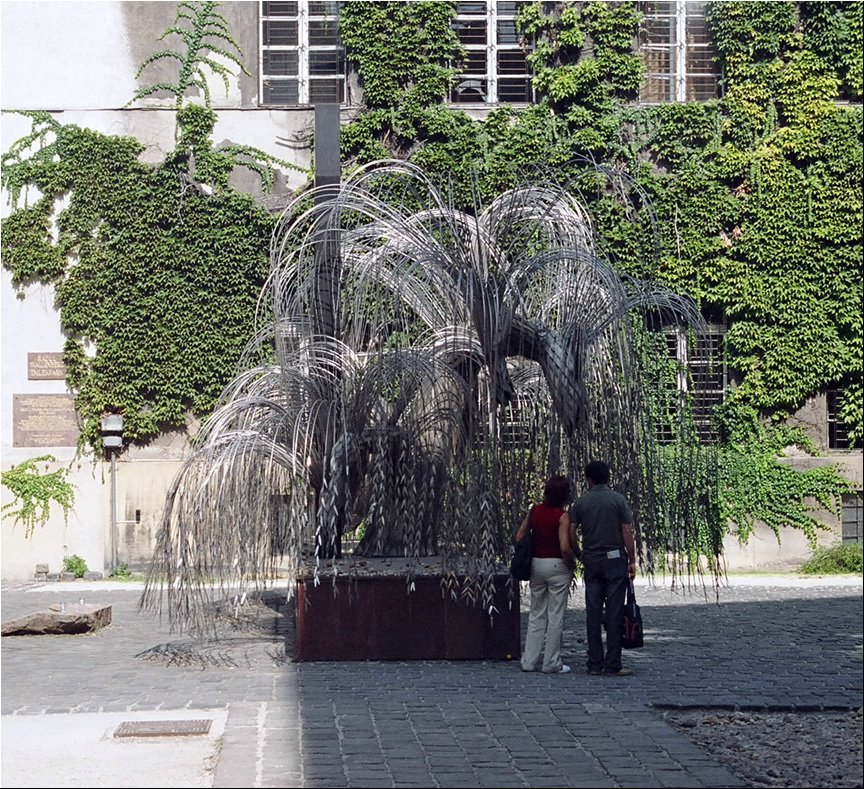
{"x":770,"y":644}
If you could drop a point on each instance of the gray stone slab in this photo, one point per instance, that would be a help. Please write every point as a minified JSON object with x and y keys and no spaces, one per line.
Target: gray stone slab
{"x":61,"y":619}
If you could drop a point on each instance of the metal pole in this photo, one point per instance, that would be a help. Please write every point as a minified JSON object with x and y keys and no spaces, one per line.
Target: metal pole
{"x":325,"y":315}
{"x":113,"y":512}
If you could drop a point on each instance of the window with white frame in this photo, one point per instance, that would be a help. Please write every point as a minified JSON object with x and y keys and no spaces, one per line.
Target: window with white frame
{"x":701,"y":377}
{"x":302,"y":59}
{"x":677,"y":52}
{"x":496,"y":70}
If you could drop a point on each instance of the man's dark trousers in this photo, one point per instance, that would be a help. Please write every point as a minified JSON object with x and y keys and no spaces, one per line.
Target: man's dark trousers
{"x":605,"y":583}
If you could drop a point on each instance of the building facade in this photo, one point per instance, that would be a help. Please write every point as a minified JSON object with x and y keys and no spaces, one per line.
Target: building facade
{"x":79,"y":61}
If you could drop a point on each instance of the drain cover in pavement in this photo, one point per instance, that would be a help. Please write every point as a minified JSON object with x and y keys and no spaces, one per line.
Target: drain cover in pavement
{"x":190,"y":728}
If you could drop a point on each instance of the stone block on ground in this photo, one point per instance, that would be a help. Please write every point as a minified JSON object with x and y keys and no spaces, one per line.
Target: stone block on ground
{"x":61,"y":619}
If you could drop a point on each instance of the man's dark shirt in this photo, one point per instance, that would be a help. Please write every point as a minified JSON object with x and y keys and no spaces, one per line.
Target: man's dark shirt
{"x":599,"y":514}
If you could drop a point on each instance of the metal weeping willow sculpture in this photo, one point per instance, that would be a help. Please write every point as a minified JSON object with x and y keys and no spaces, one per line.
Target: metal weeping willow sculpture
{"x":416,"y":370}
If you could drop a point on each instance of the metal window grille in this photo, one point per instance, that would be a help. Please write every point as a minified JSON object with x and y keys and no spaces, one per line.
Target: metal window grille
{"x":677,"y":52}
{"x":852,"y":528}
{"x":701,"y":378}
{"x":838,"y":432}
{"x":496,"y":68}
{"x":516,"y":428}
{"x":302,"y":60}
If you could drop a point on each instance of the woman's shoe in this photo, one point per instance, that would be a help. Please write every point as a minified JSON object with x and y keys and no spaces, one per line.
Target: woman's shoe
{"x":563,"y":670}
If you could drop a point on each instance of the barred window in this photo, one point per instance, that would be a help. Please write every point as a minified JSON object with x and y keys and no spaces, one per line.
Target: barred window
{"x":701,"y":379}
{"x":302,"y":59}
{"x":677,"y":52}
{"x":853,"y":519}
{"x":496,"y":69}
{"x":838,"y":432}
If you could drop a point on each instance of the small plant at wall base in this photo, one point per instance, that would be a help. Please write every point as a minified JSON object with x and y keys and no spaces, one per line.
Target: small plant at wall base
{"x":74,"y":564}
{"x":34,"y":492}
{"x":842,"y":557}
{"x":121,"y":572}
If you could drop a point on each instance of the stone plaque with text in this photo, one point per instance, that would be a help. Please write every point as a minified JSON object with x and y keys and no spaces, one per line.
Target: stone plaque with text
{"x":44,"y":420}
{"x":45,"y":367}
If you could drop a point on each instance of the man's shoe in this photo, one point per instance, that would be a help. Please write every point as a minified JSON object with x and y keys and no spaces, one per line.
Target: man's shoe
{"x":594,"y":672}
{"x":622,"y":672}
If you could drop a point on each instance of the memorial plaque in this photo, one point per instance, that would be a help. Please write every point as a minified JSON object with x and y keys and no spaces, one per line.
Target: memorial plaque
{"x":44,"y":420}
{"x":46,"y":367}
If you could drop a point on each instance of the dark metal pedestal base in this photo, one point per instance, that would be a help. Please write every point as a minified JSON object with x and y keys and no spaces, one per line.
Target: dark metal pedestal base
{"x":377,"y":619}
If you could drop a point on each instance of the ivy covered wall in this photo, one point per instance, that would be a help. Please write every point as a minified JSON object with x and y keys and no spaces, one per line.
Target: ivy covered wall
{"x":756,"y":197}
{"x":752,"y":204}
{"x":159,"y":278}
{"x":157,"y":266}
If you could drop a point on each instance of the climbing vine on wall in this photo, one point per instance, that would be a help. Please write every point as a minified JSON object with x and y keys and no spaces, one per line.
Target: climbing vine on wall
{"x":751,"y":204}
{"x":756,"y":198}
{"x":584,"y":81}
{"x":204,"y":33}
{"x":756,"y":488}
{"x":405,"y":56}
{"x":35,"y":491}
{"x":156,"y":280}
{"x":157,"y":268}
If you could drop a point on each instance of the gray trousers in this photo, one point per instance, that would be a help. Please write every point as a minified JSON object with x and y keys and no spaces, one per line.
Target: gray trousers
{"x":549,"y":584}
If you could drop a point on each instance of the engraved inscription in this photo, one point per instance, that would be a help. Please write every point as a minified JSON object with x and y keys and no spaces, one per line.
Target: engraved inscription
{"x":45,"y":367}
{"x":44,"y":420}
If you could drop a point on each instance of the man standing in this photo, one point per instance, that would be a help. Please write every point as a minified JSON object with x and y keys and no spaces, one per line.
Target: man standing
{"x":608,"y":553}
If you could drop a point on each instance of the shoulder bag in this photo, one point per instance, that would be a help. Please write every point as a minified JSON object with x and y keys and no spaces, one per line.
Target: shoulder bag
{"x":523,"y":554}
{"x":631,"y":631}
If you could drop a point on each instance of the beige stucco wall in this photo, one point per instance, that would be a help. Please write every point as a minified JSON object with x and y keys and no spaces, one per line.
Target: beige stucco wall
{"x":141,"y":488}
{"x":142,"y":485}
{"x":764,"y":551}
{"x":83,"y":534}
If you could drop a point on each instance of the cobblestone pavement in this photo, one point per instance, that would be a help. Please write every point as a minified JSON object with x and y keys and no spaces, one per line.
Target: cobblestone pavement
{"x":771,"y":647}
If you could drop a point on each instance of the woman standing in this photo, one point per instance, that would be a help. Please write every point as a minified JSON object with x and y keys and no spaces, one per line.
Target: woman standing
{"x":551,"y":572}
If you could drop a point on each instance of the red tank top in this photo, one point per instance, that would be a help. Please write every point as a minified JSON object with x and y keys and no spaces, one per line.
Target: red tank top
{"x":544,"y":522}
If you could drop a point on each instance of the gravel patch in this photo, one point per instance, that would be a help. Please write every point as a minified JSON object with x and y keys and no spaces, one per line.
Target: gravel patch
{"x":780,"y":749}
